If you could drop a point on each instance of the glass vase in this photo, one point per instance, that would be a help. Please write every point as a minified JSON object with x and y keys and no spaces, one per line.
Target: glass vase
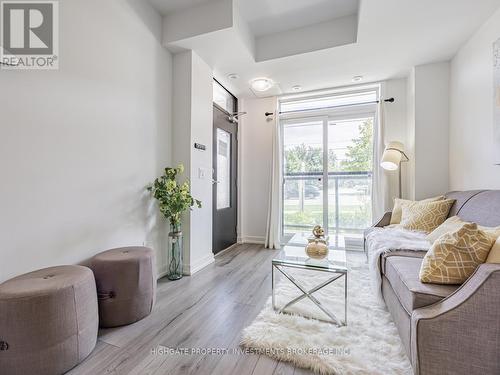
{"x":175,"y":248}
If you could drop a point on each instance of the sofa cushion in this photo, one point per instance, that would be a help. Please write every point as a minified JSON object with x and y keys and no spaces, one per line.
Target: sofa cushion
{"x":403,"y":274}
{"x":400,"y":253}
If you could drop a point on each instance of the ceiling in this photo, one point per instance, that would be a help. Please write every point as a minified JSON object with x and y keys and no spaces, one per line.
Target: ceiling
{"x":271,"y":16}
{"x":392,"y":36}
{"x":168,"y":6}
{"x":267,"y":17}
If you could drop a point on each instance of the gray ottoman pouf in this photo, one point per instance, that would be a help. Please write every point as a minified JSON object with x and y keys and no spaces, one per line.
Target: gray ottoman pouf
{"x":126,"y":284}
{"x":48,"y":320}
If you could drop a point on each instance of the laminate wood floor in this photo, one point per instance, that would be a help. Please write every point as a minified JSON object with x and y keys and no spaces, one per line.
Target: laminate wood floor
{"x":206,"y":310}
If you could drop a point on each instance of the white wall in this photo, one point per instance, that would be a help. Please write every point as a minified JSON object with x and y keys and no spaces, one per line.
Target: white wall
{"x":430,"y":107}
{"x":193,"y":123}
{"x":410,"y":135}
{"x":255,"y":155}
{"x":181,"y":132}
{"x":79,"y":145}
{"x":471,"y":113}
{"x":396,"y":129}
{"x":201,"y":132}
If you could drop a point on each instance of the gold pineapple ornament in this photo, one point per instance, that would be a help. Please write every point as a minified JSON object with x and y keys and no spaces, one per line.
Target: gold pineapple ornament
{"x":317,"y":247}
{"x":318,"y":231}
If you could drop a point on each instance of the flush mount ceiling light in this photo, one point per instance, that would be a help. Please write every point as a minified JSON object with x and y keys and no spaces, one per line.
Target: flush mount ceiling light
{"x":261,"y":84}
{"x":233,"y":76}
{"x":357,"y":78}
{"x":297,"y":88}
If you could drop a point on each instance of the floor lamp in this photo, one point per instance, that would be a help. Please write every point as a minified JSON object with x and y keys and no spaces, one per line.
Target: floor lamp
{"x":391,"y":159}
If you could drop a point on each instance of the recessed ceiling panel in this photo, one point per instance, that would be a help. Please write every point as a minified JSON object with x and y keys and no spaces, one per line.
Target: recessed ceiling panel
{"x":167,"y":6}
{"x":273,"y":16}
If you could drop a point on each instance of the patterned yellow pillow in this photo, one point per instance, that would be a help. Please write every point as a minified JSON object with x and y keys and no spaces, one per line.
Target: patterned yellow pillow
{"x":453,"y":223}
{"x":456,"y":255}
{"x":397,"y":211}
{"x":425,"y":216}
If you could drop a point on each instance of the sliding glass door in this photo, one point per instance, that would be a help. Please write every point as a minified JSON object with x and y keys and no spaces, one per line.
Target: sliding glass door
{"x":350,"y":146}
{"x":303,"y":186}
{"x":327,"y":170}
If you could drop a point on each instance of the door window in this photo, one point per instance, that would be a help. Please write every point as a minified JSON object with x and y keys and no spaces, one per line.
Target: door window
{"x":223,"y":169}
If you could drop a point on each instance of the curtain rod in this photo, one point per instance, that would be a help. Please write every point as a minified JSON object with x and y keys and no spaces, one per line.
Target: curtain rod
{"x":390,"y":100}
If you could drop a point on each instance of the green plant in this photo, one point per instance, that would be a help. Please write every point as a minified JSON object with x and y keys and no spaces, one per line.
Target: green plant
{"x":302,"y":158}
{"x":173,"y":198}
{"x":359,"y":153}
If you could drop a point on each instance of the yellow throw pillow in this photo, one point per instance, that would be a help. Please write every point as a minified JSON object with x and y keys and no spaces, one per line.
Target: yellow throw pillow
{"x":425,"y":216}
{"x":456,"y":255}
{"x":454,"y":223}
{"x":397,"y":211}
{"x":494,"y":255}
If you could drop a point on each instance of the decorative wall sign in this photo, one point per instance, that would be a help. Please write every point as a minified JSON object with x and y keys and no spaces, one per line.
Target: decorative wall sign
{"x":496,"y":104}
{"x":199,"y":146}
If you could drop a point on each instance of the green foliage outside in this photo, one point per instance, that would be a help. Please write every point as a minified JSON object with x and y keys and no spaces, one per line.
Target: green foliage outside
{"x":358,"y":158}
{"x":349,"y":217}
{"x":304,"y":158}
{"x":359,"y":154}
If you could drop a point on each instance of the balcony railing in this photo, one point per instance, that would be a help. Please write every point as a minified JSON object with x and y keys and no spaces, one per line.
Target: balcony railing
{"x":347,"y":210}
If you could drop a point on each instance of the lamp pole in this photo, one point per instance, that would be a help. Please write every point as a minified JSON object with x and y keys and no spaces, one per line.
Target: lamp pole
{"x":392,"y":158}
{"x":406,"y":159}
{"x":400,"y":184}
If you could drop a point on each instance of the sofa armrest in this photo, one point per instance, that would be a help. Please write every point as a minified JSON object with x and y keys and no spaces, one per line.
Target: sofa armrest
{"x":460,"y":334}
{"x":384,"y":220}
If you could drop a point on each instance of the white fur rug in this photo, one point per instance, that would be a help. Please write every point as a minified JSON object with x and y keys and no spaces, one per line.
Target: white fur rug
{"x":369,"y":344}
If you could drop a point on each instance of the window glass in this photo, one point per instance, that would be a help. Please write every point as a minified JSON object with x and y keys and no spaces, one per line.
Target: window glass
{"x":328,"y":101}
{"x":223,"y":98}
{"x":223,"y":169}
{"x":327,"y":167}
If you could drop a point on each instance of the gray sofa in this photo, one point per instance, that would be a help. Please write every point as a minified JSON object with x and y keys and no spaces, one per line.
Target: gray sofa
{"x":447,"y":329}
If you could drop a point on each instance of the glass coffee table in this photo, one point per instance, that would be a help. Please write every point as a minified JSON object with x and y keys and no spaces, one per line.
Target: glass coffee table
{"x":296,"y":257}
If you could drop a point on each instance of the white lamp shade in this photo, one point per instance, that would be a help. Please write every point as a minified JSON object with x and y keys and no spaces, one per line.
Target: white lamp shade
{"x":392,"y":156}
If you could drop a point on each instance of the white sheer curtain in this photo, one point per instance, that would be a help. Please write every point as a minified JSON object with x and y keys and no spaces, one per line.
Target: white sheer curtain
{"x":380,"y":181}
{"x":274,"y":211}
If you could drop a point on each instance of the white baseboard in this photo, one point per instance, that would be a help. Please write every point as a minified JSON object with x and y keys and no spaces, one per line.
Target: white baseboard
{"x":191,"y":269}
{"x":161,"y":273}
{"x":252,"y":239}
{"x":188,"y":269}
{"x":228,"y":248}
